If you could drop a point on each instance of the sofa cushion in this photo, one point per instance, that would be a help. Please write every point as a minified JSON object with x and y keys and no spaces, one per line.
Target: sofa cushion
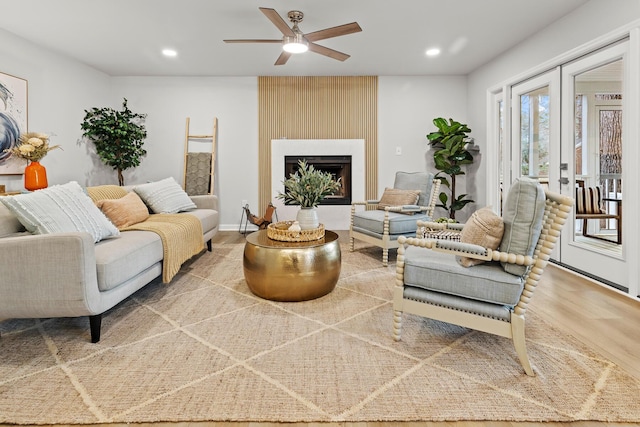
{"x":125,"y":211}
{"x":60,"y":209}
{"x":208,"y":218}
{"x":398,"y":197}
{"x":522,"y":215}
{"x":422,"y":181}
{"x":484,"y":228}
{"x":164,"y":196}
{"x":399,"y":224}
{"x":440,"y":272}
{"x":118,"y":260}
{"x":9,"y":223}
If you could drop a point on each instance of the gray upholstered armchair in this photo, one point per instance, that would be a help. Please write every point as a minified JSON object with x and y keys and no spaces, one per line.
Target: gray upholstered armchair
{"x":492,"y":296}
{"x":396,"y":213}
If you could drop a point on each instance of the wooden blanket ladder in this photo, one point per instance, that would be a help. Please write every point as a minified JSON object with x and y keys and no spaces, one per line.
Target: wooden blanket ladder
{"x":200,"y":161}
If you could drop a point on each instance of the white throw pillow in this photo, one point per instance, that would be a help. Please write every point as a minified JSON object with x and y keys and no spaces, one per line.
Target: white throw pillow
{"x":164,"y":196}
{"x":60,"y":209}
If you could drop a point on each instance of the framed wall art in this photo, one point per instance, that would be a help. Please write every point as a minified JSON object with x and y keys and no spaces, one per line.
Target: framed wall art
{"x":13,"y":121}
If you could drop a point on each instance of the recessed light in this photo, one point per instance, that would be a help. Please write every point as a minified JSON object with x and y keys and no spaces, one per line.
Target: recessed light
{"x":433,"y":52}
{"x":169,"y":52}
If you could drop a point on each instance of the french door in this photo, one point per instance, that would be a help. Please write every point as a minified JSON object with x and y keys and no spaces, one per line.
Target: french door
{"x":567,"y":129}
{"x":593,"y":146}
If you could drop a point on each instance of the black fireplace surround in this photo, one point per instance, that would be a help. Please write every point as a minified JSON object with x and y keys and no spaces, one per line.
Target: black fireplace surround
{"x":338,"y":166}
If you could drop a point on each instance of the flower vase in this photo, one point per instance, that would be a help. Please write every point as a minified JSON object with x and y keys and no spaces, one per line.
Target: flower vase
{"x":35,"y":176}
{"x":308,"y":218}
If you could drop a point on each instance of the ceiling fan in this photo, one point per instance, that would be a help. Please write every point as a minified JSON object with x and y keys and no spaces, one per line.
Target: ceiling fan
{"x":295,"y":41}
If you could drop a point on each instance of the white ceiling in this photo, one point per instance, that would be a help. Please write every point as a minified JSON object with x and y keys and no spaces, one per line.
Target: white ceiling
{"x":125,"y":37}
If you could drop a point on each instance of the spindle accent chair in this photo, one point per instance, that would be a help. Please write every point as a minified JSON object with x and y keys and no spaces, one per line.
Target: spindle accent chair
{"x":381,"y":224}
{"x":493,"y":296}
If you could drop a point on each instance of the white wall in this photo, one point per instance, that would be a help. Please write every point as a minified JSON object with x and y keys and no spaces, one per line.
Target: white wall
{"x":169,"y":101}
{"x":406,"y":109}
{"x":407,"y":106}
{"x":596,"y":18}
{"x":59,"y":91}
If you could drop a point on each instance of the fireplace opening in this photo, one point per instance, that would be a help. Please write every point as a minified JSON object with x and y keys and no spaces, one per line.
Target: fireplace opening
{"x":338,"y":166}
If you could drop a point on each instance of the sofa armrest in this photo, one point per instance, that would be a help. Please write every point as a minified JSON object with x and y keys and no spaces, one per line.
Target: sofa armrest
{"x":206,"y":201}
{"x":48,"y":275}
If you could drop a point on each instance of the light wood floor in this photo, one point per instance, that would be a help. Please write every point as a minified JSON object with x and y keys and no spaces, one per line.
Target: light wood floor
{"x":598,"y":316}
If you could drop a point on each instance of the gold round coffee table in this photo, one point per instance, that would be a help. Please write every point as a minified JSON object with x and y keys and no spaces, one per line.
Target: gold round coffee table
{"x":291,"y":271}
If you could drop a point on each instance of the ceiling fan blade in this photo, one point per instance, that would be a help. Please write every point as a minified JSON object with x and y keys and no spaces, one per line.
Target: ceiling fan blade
{"x":283,"y":58}
{"x":331,"y":53}
{"x":277,"y":21}
{"x":340,"y":30}
{"x":253,"y":41}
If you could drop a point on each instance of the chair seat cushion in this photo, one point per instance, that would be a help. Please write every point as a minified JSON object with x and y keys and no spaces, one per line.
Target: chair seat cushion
{"x":399,"y":224}
{"x":440,"y":272}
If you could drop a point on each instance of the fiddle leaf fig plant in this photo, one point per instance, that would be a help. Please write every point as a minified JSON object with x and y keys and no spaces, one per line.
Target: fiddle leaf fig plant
{"x":450,"y":142}
{"x":118,"y":136}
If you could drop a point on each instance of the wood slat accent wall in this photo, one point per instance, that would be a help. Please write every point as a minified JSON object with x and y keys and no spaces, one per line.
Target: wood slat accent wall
{"x":340,"y":107}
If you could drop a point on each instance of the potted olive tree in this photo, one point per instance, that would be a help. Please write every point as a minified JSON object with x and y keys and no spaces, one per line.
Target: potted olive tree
{"x":117,"y":135}
{"x":307,"y":187}
{"x":451,"y":142}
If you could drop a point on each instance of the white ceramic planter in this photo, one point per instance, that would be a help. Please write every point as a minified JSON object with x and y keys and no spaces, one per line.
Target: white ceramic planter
{"x":308,"y":218}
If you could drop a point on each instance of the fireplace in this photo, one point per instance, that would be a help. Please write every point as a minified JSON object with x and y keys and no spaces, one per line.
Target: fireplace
{"x":334,"y":217}
{"x":338,"y":166}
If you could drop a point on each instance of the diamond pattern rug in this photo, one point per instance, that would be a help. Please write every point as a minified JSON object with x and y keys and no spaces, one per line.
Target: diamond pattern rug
{"x":204,"y":348}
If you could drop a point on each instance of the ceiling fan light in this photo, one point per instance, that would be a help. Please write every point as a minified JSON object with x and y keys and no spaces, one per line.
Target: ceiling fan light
{"x":295,"y":44}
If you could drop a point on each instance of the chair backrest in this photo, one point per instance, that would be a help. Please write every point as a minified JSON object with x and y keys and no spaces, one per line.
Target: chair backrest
{"x":523,"y":212}
{"x":556,"y":211}
{"x":422,"y":181}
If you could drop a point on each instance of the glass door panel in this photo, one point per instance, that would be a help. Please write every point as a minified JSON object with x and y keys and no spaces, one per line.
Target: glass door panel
{"x":535,"y":132}
{"x":593,"y":148}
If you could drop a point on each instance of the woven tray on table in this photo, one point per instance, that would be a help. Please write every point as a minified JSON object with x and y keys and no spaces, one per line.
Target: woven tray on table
{"x":280,"y":231}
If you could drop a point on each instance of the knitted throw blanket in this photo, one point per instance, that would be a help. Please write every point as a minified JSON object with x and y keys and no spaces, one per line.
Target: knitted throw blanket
{"x":181,"y":234}
{"x":101,"y":192}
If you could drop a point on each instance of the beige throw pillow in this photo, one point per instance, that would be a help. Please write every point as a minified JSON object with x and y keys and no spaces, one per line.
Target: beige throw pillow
{"x":125,"y":211}
{"x":484,"y":228}
{"x":395,"y":197}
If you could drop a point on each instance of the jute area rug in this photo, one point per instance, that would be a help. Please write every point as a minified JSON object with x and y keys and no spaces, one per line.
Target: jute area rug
{"x":203,"y":348}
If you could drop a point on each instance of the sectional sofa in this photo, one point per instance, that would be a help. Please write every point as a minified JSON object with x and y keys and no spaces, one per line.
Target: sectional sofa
{"x":56,"y":271}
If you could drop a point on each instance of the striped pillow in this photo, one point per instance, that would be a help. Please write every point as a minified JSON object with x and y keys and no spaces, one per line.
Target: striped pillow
{"x":60,"y":209}
{"x":164,"y":196}
{"x":588,"y":200}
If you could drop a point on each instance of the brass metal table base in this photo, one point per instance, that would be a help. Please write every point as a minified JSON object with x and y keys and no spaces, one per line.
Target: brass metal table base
{"x":291,"y":271}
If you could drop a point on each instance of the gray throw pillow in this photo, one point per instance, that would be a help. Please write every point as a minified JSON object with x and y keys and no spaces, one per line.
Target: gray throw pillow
{"x":60,"y":209}
{"x":164,"y":196}
{"x":522,"y":215}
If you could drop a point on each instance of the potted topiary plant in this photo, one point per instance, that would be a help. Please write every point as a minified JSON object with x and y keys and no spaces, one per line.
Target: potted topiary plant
{"x":450,"y":142}
{"x":118,"y":136}
{"x":307,"y":187}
